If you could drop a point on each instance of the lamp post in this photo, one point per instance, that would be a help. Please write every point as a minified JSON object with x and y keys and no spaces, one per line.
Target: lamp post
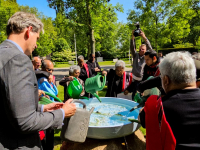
{"x":75,"y":47}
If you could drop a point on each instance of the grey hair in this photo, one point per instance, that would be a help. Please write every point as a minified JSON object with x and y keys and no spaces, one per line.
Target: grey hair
{"x":73,"y":68}
{"x":179,"y":67}
{"x":21,"y":20}
{"x":120,"y":63}
{"x":80,"y":57}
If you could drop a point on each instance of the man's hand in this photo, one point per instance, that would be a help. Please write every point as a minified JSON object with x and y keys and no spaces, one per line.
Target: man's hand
{"x":52,"y":107}
{"x":143,"y":35}
{"x":126,"y":92}
{"x":50,"y":79}
{"x":96,"y":69}
{"x":40,"y":93}
{"x":104,"y":73}
{"x":71,"y":78}
{"x":69,"y":108}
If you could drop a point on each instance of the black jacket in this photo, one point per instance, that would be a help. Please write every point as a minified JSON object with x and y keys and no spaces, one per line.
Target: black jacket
{"x":39,"y":74}
{"x":115,"y":83}
{"x":92,"y":66}
{"x":182,"y":111}
{"x":152,"y":70}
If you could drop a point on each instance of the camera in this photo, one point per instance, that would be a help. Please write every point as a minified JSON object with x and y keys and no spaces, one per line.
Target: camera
{"x":138,"y":30}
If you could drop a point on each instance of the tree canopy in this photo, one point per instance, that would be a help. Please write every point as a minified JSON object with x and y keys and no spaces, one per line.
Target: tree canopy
{"x":94,"y":24}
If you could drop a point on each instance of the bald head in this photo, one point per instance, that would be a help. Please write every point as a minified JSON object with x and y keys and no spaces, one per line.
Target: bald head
{"x":47,"y":66}
{"x":36,"y":63}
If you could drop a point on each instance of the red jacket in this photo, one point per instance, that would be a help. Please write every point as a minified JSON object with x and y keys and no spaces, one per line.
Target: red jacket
{"x":159,"y":135}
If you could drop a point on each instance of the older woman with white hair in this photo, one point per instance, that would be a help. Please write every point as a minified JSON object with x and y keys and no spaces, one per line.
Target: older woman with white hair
{"x":118,"y":80}
{"x":74,"y":71}
{"x":181,"y":104}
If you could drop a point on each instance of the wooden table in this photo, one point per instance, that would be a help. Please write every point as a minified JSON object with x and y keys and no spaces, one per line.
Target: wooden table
{"x":135,"y":141}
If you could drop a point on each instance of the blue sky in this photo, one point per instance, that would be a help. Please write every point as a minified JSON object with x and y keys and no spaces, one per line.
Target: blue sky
{"x":42,"y":6}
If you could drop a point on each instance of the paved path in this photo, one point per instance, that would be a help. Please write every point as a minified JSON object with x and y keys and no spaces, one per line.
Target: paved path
{"x":60,"y":72}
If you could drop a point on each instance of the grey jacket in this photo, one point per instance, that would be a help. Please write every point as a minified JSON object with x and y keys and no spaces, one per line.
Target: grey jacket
{"x":138,"y":62}
{"x":20,"y":115}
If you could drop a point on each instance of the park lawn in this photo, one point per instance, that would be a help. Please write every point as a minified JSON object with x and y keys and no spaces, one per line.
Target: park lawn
{"x":60,"y":92}
{"x":111,"y":63}
{"x":62,"y":65}
{"x":104,"y":63}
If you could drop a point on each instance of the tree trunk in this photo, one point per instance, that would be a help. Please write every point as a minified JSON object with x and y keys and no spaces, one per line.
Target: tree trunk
{"x":92,"y":41}
{"x":91,"y":31}
{"x":156,"y":37}
{"x":89,"y":50}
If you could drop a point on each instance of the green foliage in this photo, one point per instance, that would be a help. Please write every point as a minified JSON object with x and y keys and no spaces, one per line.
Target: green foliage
{"x":183,"y":45}
{"x":7,"y":9}
{"x":82,"y":18}
{"x":65,"y":55}
{"x":167,"y":22}
{"x":60,"y":45}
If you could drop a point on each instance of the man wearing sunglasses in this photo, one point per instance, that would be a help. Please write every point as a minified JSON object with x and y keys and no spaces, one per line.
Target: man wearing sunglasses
{"x":48,"y":85}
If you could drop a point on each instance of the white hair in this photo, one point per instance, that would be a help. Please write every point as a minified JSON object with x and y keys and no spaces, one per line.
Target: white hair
{"x":120,"y":63}
{"x":80,"y":57}
{"x":21,"y":20}
{"x":73,"y":68}
{"x":179,"y":67}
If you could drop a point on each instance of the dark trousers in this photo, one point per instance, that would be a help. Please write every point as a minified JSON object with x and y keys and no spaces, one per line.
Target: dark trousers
{"x":48,"y":141}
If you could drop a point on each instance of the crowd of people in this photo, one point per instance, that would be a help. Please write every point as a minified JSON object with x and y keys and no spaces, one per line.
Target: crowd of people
{"x":177,"y":76}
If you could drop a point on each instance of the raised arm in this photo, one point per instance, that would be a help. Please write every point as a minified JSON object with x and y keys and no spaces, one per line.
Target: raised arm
{"x":132,"y":45}
{"x":148,"y":44}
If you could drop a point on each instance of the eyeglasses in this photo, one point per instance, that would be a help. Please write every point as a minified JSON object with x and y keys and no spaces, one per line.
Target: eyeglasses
{"x":50,"y":70}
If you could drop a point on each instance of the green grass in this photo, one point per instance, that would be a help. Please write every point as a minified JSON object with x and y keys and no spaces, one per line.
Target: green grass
{"x":143,"y":130}
{"x":104,"y":63}
{"x":107,"y":63}
{"x":103,"y":92}
{"x":61,"y":65}
{"x":60,"y":92}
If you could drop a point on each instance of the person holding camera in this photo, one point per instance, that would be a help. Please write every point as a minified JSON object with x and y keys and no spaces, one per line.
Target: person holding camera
{"x":138,"y":58}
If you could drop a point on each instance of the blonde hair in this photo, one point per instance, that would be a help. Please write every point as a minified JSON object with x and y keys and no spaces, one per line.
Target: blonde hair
{"x":21,"y":20}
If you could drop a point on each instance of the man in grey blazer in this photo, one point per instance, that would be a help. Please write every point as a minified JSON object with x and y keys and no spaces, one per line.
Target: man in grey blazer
{"x":21,"y":116}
